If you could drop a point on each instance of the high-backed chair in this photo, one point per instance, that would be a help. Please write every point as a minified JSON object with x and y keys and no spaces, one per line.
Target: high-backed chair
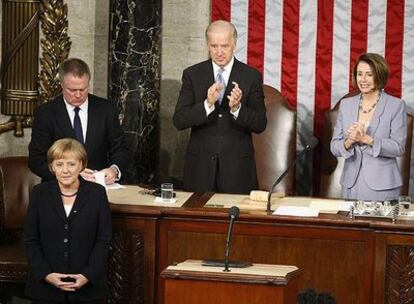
{"x":275,"y":147}
{"x":16,"y":182}
{"x":331,"y":168}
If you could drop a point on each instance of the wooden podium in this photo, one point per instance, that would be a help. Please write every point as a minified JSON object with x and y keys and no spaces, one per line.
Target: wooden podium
{"x":190,"y":282}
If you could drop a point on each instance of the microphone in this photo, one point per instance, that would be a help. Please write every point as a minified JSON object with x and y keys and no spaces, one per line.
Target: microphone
{"x":313,"y":142}
{"x":233,"y":215}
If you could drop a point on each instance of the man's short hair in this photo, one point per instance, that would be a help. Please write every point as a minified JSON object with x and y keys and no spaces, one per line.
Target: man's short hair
{"x":65,"y":146}
{"x":378,"y":66}
{"x":221,"y":23}
{"x":75,"y":66}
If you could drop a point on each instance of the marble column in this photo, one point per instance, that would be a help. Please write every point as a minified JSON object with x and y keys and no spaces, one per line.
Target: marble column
{"x":134,"y":80}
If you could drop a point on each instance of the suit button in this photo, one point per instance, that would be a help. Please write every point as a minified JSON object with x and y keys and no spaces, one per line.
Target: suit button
{"x":220,"y":115}
{"x":66,"y":226}
{"x":66,"y":254}
{"x":213,"y":158}
{"x":65,"y":240}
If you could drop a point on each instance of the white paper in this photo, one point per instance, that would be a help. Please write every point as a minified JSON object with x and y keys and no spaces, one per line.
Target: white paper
{"x":100,"y":178}
{"x":158,"y":199}
{"x":325,"y":206}
{"x":115,"y":186}
{"x":296,"y":211}
{"x":345,"y":206}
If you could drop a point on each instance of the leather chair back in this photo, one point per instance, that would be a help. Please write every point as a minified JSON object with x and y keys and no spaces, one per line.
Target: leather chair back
{"x":331,"y":168}
{"x":404,"y":162}
{"x":16,"y":183}
{"x":275,"y":147}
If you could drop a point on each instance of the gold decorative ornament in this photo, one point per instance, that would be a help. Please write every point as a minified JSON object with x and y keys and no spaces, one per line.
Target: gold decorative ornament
{"x":22,"y":87}
{"x":55,"y":47}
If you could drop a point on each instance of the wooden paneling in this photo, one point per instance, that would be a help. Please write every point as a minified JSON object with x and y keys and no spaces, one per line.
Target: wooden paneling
{"x":137,"y":253}
{"x":326,"y":257}
{"x":399,"y":276}
{"x":208,"y":292}
{"x":126,"y":270}
{"x":356,"y":260}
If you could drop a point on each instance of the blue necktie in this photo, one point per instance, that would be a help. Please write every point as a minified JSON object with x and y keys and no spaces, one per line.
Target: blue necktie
{"x":220,"y":79}
{"x":77,"y":126}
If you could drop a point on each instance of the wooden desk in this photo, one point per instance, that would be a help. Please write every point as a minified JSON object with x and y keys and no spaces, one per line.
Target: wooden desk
{"x":189,"y":282}
{"x":357,"y":261}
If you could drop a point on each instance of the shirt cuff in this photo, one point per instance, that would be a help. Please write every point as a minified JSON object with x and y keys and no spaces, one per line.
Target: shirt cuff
{"x":347,"y":153}
{"x":236,"y":113}
{"x":209,"y":110}
{"x":118,"y":175}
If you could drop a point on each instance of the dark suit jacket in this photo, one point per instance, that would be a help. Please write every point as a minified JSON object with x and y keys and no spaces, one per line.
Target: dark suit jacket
{"x":75,"y":244}
{"x":220,"y":137}
{"x":104,"y":141}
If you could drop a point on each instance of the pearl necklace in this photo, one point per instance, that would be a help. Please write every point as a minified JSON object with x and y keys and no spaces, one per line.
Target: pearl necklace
{"x":370,"y":108}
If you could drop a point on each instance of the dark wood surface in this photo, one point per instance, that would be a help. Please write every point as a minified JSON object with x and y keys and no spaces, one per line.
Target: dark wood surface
{"x":356,"y":260}
{"x":207,"y":292}
{"x":191,"y":289}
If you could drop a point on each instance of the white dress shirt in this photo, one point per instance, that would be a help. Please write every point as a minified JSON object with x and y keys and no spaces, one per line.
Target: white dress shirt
{"x":226,"y":76}
{"x":83,"y":115}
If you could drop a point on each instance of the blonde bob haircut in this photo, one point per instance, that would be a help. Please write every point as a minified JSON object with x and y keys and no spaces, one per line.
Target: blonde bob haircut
{"x":379,"y":68}
{"x":64,"y":148}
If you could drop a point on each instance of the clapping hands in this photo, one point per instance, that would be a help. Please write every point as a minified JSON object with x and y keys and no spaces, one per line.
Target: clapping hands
{"x":356,"y":132}
{"x":356,"y":135}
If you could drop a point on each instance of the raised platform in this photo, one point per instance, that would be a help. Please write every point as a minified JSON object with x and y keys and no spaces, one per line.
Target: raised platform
{"x":356,"y":260}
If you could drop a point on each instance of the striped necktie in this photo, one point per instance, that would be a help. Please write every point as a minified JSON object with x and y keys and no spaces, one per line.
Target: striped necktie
{"x":220,"y":79}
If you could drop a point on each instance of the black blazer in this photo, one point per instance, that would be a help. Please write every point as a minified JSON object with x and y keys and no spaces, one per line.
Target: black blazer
{"x":220,"y":137}
{"x":75,"y":244}
{"x":104,"y":141}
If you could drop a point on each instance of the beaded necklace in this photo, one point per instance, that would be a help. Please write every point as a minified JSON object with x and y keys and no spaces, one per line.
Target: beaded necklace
{"x":371,"y":107}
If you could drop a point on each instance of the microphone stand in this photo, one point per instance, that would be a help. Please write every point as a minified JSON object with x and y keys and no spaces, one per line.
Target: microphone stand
{"x":233,"y":215}
{"x":226,"y":258}
{"x":307,"y":147}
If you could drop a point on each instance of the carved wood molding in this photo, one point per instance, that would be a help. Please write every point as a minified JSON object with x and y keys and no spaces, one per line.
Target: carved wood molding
{"x":126,"y":268}
{"x":13,"y":273}
{"x":55,"y":47}
{"x":399,"y":282}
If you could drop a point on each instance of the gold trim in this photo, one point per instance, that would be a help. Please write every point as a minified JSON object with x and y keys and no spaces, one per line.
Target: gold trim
{"x":19,"y":94}
{"x":22,"y":1}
